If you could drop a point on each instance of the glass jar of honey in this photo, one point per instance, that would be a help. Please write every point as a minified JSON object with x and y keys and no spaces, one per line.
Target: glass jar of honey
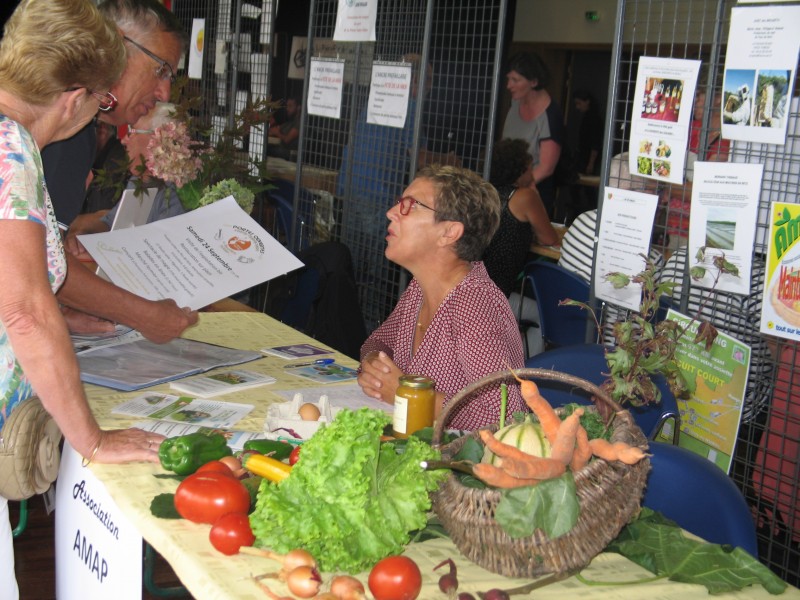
{"x":414,"y":405}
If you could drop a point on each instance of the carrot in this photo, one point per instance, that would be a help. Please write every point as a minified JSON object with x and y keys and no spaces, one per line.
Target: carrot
{"x":583,"y":451}
{"x":533,"y":467}
{"x":564,"y":447}
{"x":620,"y":451}
{"x":548,"y":417}
{"x":496,"y":477}
{"x":502,"y":449}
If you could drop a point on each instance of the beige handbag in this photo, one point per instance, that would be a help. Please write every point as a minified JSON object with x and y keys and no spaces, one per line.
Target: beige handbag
{"x":29,"y":451}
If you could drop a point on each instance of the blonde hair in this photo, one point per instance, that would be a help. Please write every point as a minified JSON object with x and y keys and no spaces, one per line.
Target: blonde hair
{"x":49,"y":46}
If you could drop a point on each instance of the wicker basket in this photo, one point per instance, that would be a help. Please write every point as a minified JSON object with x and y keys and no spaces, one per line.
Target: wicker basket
{"x":609,"y":495}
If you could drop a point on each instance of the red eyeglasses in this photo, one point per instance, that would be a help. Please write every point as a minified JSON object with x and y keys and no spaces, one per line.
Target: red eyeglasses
{"x":407,"y":203}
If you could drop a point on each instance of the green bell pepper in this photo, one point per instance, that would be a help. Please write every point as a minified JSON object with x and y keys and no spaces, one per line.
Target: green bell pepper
{"x":187,"y":453}
{"x":275,"y":449}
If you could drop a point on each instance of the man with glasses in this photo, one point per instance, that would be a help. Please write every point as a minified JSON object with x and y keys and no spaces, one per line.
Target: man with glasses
{"x":154,"y":40}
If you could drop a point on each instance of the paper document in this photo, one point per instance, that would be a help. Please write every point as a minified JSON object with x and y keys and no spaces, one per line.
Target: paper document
{"x":196,"y":258}
{"x":180,"y":409}
{"x":222,"y":382}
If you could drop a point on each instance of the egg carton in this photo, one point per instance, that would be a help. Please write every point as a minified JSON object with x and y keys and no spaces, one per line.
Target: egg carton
{"x":284,"y":418}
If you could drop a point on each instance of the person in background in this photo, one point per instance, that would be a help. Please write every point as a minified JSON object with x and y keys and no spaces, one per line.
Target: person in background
{"x":154,"y":41}
{"x":534,"y":117}
{"x":104,"y":190}
{"x":523,"y":217}
{"x":288,"y":131}
{"x":58,"y":59}
{"x":166,"y":203}
{"x":590,"y":132}
{"x":452,"y":323}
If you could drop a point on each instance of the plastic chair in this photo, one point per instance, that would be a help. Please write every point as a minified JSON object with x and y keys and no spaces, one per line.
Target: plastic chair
{"x":698,"y":496}
{"x":559,"y":325}
{"x":589,"y":362}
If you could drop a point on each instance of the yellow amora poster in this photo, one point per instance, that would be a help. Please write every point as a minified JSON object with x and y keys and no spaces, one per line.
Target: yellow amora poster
{"x":780,"y":313}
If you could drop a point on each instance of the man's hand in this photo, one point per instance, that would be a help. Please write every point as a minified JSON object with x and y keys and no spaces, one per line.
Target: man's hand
{"x":165,"y":321}
{"x":379,"y":376}
{"x":80,"y":322}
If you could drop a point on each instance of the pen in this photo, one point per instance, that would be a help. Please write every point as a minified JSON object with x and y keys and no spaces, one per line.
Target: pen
{"x":319,"y":361}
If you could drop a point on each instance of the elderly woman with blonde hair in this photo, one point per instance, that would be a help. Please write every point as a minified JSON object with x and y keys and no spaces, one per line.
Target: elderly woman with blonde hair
{"x":58,"y":58}
{"x":452,"y":324}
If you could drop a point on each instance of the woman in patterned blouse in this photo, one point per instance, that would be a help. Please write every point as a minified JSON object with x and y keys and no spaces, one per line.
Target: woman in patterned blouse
{"x":452,"y":323}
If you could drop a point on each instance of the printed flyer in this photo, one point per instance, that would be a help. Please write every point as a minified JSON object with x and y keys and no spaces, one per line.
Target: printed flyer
{"x":388,"y":94}
{"x":780,"y":312}
{"x":717,"y":380}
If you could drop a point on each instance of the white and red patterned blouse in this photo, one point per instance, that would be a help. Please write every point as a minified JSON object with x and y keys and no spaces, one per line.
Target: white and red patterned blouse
{"x":473,"y":333}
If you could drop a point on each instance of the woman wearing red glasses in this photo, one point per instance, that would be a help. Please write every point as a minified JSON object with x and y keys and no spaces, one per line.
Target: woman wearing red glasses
{"x":57,"y":60}
{"x":452,"y":324}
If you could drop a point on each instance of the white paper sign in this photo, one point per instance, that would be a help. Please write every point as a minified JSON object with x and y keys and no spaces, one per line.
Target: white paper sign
{"x":98,"y":551}
{"x":662,"y":113}
{"x":724,"y":208}
{"x":355,"y":21}
{"x":388,"y":94}
{"x":626,"y":225}
{"x":325,"y":87}
{"x":760,"y":69}
{"x":196,"y":47}
{"x":196,"y":258}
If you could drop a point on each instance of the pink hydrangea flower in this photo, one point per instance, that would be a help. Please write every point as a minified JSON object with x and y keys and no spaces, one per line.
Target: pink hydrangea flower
{"x":172,"y":155}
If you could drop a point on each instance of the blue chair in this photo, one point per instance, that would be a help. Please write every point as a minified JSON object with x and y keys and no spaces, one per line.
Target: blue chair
{"x":282,"y":198}
{"x":559,"y":325}
{"x":698,"y":496}
{"x":589,"y":362}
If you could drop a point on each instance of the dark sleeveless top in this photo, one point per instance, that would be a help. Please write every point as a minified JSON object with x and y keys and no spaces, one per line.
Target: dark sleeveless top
{"x":507,"y":253}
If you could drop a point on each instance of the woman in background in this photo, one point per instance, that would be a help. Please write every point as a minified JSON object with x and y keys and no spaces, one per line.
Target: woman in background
{"x":452,"y":323}
{"x":523,"y":215}
{"x":58,"y":58}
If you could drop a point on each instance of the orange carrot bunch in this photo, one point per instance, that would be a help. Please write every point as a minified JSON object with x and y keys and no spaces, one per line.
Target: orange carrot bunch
{"x":570,"y":447}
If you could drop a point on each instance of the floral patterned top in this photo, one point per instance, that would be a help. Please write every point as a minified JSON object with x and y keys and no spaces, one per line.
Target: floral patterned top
{"x":23,"y":195}
{"x":473,"y":333}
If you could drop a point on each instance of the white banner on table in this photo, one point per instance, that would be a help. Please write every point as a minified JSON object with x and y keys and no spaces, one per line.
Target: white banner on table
{"x":355,"y":21}
{"x":626,"y":226}
{"x":760,"y":67}
{"x":98,"y":551}
{"x":662,"y":112}
{"x":388,"y":94}
{"x":196,"y":47}
{"x":724,"y":208}
{"x":196,"y":258}
{"x":325,"y":87}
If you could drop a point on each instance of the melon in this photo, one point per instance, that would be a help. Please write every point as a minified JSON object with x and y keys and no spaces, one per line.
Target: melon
{"x":526,"y":436}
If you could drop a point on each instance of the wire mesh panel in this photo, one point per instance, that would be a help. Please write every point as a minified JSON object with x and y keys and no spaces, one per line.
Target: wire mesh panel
{"x":451,"y":47}
{"x":765,"y":464}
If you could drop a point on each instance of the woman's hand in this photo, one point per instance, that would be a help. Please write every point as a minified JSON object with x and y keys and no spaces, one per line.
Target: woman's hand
{"x":379,"y":376}
{"x":126,"y":445}
{"x":83,"y":323}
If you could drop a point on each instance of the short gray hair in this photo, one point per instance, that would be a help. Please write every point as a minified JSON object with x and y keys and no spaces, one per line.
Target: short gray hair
{"x":141,"y":18}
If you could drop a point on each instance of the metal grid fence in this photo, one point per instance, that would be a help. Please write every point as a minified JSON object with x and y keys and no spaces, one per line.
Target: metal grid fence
{"x":767,"y":457}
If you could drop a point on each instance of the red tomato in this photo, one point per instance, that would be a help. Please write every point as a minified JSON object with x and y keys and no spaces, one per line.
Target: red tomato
{"x":215,"y":466}
{"x":205,"y":497}
{"x":230,"y":532}
{"x":395,"y":578}
{"x":294,"y":456}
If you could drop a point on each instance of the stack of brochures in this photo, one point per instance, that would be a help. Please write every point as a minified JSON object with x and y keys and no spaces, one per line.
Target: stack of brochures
{"x":224,"y":382}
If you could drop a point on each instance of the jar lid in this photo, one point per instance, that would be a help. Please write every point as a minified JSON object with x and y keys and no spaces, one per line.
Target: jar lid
{"x":416,"y":381}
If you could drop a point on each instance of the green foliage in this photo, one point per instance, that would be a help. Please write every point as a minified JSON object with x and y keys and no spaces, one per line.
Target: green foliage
{"x":551,"y":506}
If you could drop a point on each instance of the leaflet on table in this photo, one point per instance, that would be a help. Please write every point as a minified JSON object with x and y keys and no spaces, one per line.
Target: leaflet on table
{"x":626,"y":226}
{"x":196,"y":258}
{"x":717,"y":380}
{"x":326,"y":373}
{"x":780,"y":307}
{"x":221,"y":382}
{"x":760,"y":66}
{"x":180,"y":409}
{"x":120,"y":335}
{"x":141,"y":363}
{"x":236,"y":439}
{"x":296,"y":351}
{"x":662,"y":113}
{"x":724,"y":206}
{"x":339,"y":396}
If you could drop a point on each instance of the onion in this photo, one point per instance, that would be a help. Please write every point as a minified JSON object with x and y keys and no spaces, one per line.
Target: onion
{"x":293,"y":559}
{"x":303,"y":581}
{"x":345,"y":587}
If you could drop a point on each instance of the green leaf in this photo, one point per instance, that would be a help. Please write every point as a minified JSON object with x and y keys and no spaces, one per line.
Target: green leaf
{"x":551,"y":506}
{"x":163,"y":507}
{"x":660,"y":546}
{"x":472,"y":450}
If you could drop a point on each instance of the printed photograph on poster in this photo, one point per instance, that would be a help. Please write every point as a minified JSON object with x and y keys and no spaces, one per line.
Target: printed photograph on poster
{"x":355,"y":21}
{"x":196,"y":48}
{"x":663,"y":96}
{"x":325,"y":85}
{"x":724,"y":207}
{"x":780,"y":310}
{"x":759,"y":73}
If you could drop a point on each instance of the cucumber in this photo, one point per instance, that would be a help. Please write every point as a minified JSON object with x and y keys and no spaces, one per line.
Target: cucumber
{"x":275,"y":449}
